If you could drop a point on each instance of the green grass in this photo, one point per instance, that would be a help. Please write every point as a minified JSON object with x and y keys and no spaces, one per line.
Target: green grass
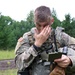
{"x":7,"y":54}
{"x":9,"y":72}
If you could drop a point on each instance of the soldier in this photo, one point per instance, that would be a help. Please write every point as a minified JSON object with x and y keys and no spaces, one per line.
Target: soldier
{"x":33,"y":48}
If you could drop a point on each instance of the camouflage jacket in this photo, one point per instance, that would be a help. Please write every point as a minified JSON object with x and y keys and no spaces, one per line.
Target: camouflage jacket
{"x":25,"y":52}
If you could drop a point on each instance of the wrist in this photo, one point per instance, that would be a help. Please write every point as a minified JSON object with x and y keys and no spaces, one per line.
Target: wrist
{"x":36,"y":48}
{"x":37,"y":44}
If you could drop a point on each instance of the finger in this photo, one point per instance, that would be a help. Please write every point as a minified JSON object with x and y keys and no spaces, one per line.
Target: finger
{"x":49,"y":30}
{"x":46,"y":30}
{"x":36,"y":31}
{"x":62,"y":65}
{"x":59,"y":60}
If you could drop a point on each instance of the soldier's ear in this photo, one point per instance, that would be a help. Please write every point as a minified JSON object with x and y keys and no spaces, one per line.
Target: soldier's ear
{"x":52,"y":20}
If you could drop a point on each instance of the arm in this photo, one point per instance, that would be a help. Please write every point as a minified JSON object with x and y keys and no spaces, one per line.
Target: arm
{"x":71,"y":50}
{"x":25,"y":53}
{"x":66,"y":40}
{"x":70,"y":42}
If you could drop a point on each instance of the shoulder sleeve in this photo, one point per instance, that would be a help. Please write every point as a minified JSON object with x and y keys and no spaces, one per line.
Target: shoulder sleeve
{"x":63,"y":38}
{"x":25,"y":53}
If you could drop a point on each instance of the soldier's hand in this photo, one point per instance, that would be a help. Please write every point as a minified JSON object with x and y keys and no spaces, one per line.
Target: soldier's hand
{"x":64,"y":61}
{"x":41,"y":37}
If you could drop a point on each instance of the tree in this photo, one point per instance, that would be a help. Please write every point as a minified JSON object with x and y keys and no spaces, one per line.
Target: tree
{"x":69,"y":25}
{"x":57,"y":22}
{"x":4,"y":22}
{"x":29,"y":21}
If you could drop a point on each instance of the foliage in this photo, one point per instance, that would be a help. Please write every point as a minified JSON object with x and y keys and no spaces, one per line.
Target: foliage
{"x":69,"y":25}
{"x":57,"y":22}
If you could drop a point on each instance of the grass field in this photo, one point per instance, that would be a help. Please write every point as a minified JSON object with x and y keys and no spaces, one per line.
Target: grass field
{"x":7,"y":54}
{"x":9,"y":72}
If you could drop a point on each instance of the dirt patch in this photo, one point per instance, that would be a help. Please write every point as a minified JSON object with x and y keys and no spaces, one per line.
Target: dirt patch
{"x":7,"y":64}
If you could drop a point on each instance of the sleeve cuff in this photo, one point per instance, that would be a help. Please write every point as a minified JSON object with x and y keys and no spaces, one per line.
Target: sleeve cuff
{"x":36,"y":48}
{"x":72,"y":58}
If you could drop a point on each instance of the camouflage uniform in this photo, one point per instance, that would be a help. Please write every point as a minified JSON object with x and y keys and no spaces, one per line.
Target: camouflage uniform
{"x":26,"y":53}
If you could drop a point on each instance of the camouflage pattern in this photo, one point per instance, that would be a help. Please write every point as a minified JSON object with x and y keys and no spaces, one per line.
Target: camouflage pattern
{"x":25,"y":52}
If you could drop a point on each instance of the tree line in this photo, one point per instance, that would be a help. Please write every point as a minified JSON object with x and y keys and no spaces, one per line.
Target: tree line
{"x":11,"y":30}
